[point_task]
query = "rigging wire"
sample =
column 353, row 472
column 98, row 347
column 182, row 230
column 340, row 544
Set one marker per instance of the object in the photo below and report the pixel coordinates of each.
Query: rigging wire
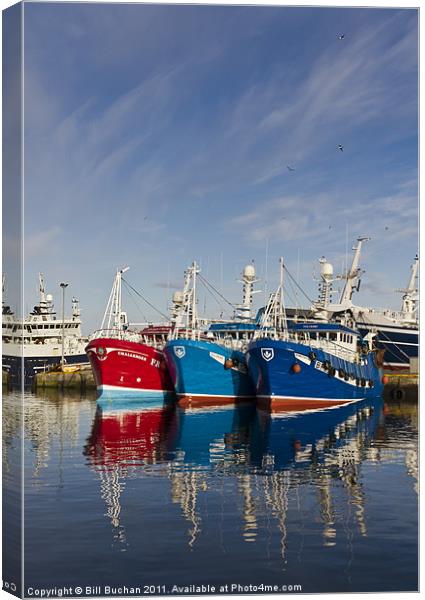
column 139, row 308
column 297, row 285
column 210, row 285
column 144, row 299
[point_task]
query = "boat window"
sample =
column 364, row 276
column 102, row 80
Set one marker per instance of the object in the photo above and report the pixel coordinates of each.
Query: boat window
column 313, row 335
column 322, row 335
column 332, row 336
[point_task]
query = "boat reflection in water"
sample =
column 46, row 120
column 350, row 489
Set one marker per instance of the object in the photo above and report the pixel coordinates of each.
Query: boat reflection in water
column 128, row 437
column 215, row 494
column 128, row 434
column 263, row 456
column 316, row 448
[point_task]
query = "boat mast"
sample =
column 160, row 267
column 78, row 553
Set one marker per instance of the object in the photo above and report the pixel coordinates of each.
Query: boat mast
column 41, row 289
column 353, row 273
column 248, row 279
column 281, row 315
column 326, row 280
column 275, row 314
column 186, row 305
column 408, row 306
column 193, row 318
column 112, row 318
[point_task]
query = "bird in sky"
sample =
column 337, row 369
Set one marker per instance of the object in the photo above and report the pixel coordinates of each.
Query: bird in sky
column 340, row 147
column 290, row 168
column 341, row 36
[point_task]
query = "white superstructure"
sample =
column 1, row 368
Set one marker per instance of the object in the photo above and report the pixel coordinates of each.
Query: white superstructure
column 325, row 309
column 39, row 335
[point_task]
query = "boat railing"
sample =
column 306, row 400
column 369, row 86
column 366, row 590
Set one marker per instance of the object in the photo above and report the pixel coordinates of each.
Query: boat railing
column 336, row 349
column 117, row 334
column 332, row 347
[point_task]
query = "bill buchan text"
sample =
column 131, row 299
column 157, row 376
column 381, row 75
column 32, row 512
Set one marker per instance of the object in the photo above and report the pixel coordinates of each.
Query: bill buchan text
column 160, row 590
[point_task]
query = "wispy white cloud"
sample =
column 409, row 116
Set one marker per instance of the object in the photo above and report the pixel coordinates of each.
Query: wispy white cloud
column 321, row 216
column 42, row 242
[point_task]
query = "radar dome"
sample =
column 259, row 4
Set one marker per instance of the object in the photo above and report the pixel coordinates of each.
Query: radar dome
column 49, row 297
column 327, row 269
column 178, row 297
column 249, row 271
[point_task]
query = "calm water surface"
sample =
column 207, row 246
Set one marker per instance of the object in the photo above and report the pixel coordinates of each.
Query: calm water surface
column 136, row 496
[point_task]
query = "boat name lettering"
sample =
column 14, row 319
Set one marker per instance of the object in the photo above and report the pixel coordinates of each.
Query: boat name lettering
column 132, row 355
column 218, row 357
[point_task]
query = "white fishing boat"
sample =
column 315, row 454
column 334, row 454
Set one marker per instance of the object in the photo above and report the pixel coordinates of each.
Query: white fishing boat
column 39, row 341
column 396, row 330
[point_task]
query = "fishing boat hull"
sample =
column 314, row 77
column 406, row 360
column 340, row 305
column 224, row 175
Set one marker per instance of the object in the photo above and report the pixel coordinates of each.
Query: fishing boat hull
column 21, row 370
column 122, row 367
column 204, row 372
column 288, row 376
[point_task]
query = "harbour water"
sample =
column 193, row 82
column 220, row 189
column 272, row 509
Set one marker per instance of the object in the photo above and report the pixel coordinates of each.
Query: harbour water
column 163, row 496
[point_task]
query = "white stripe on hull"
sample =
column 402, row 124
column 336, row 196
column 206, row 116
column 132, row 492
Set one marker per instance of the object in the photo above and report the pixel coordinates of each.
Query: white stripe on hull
column 117, row 388
column 188, row 394
column 398, row 343
column 270, row 397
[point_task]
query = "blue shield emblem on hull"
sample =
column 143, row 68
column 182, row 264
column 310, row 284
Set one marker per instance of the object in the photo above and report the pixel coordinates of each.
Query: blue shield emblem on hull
column 267, row 354
column 179, row 351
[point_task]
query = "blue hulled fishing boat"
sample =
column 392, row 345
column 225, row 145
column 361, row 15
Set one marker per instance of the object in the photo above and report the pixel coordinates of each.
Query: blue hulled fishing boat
column 207, row 360
column 310, row 365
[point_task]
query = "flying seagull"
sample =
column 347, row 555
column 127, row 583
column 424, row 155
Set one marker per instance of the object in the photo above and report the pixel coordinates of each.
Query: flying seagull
column 340, row 147
column 290, row 168
column 341, row 36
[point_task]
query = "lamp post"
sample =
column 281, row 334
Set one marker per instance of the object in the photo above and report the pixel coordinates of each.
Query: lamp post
column 63, row 286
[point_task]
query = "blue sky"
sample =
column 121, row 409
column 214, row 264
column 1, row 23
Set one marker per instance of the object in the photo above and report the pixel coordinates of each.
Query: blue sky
column 155, row 135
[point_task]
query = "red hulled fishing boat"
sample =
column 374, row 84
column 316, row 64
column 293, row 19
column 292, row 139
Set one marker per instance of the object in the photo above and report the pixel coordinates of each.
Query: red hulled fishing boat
column 125, row 360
